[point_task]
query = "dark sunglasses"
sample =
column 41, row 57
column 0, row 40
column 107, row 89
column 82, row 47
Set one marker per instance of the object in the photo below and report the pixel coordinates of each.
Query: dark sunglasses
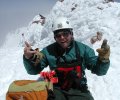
column 64, row 33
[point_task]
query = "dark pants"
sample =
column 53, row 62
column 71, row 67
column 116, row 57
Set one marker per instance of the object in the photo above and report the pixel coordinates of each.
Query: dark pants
column 72, row 94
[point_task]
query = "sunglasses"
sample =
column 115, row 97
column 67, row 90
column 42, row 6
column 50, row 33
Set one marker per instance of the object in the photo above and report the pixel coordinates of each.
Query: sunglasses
column 64, row 33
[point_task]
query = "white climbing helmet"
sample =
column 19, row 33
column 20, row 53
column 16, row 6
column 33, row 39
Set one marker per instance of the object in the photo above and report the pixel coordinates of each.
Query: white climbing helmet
column 61, row 23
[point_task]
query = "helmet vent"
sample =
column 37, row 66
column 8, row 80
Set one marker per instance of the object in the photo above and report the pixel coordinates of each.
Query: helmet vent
column 67, row 22
column 60, row 25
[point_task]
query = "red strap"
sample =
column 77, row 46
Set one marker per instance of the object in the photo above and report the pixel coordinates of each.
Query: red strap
column 66, row 70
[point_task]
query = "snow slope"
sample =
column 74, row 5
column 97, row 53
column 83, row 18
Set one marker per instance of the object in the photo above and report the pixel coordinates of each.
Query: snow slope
column 88, row 17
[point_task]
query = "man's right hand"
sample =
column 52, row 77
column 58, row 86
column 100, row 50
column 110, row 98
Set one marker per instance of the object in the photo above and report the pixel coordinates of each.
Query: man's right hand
column 28, row 51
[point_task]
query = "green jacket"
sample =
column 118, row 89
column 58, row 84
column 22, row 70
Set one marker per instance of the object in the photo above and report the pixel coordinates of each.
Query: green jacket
column 90, row 61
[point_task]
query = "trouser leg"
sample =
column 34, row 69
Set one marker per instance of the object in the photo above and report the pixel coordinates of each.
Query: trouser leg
column 85, row 96
column 72, row 95
column 78, row 95
column 58, row 95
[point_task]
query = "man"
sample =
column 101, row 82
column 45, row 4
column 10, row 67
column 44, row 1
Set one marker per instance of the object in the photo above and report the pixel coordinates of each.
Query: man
column 69, row 58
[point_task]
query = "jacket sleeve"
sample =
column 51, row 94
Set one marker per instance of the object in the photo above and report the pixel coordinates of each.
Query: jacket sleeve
column 33, row 70
column 94, row 64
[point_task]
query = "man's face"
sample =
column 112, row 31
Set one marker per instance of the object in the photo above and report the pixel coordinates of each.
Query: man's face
column 63, row 38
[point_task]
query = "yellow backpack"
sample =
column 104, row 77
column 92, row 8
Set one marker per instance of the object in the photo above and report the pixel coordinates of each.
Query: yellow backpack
column 28, row 90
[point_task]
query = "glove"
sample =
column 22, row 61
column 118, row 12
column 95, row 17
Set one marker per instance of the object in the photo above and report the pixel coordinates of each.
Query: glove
column 104, row 51
column 33, row 55
column 36, row 57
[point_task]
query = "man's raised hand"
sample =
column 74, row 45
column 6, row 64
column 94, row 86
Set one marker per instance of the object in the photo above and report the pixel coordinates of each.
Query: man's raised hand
column 28, row 51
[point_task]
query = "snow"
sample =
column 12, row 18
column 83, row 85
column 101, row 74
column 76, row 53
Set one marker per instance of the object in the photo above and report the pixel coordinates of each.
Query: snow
column 89, row 17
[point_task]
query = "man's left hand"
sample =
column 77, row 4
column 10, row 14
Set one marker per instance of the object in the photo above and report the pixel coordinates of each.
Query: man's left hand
column 104, row 51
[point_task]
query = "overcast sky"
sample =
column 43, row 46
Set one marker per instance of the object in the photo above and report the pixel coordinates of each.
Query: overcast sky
column 18, row 13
